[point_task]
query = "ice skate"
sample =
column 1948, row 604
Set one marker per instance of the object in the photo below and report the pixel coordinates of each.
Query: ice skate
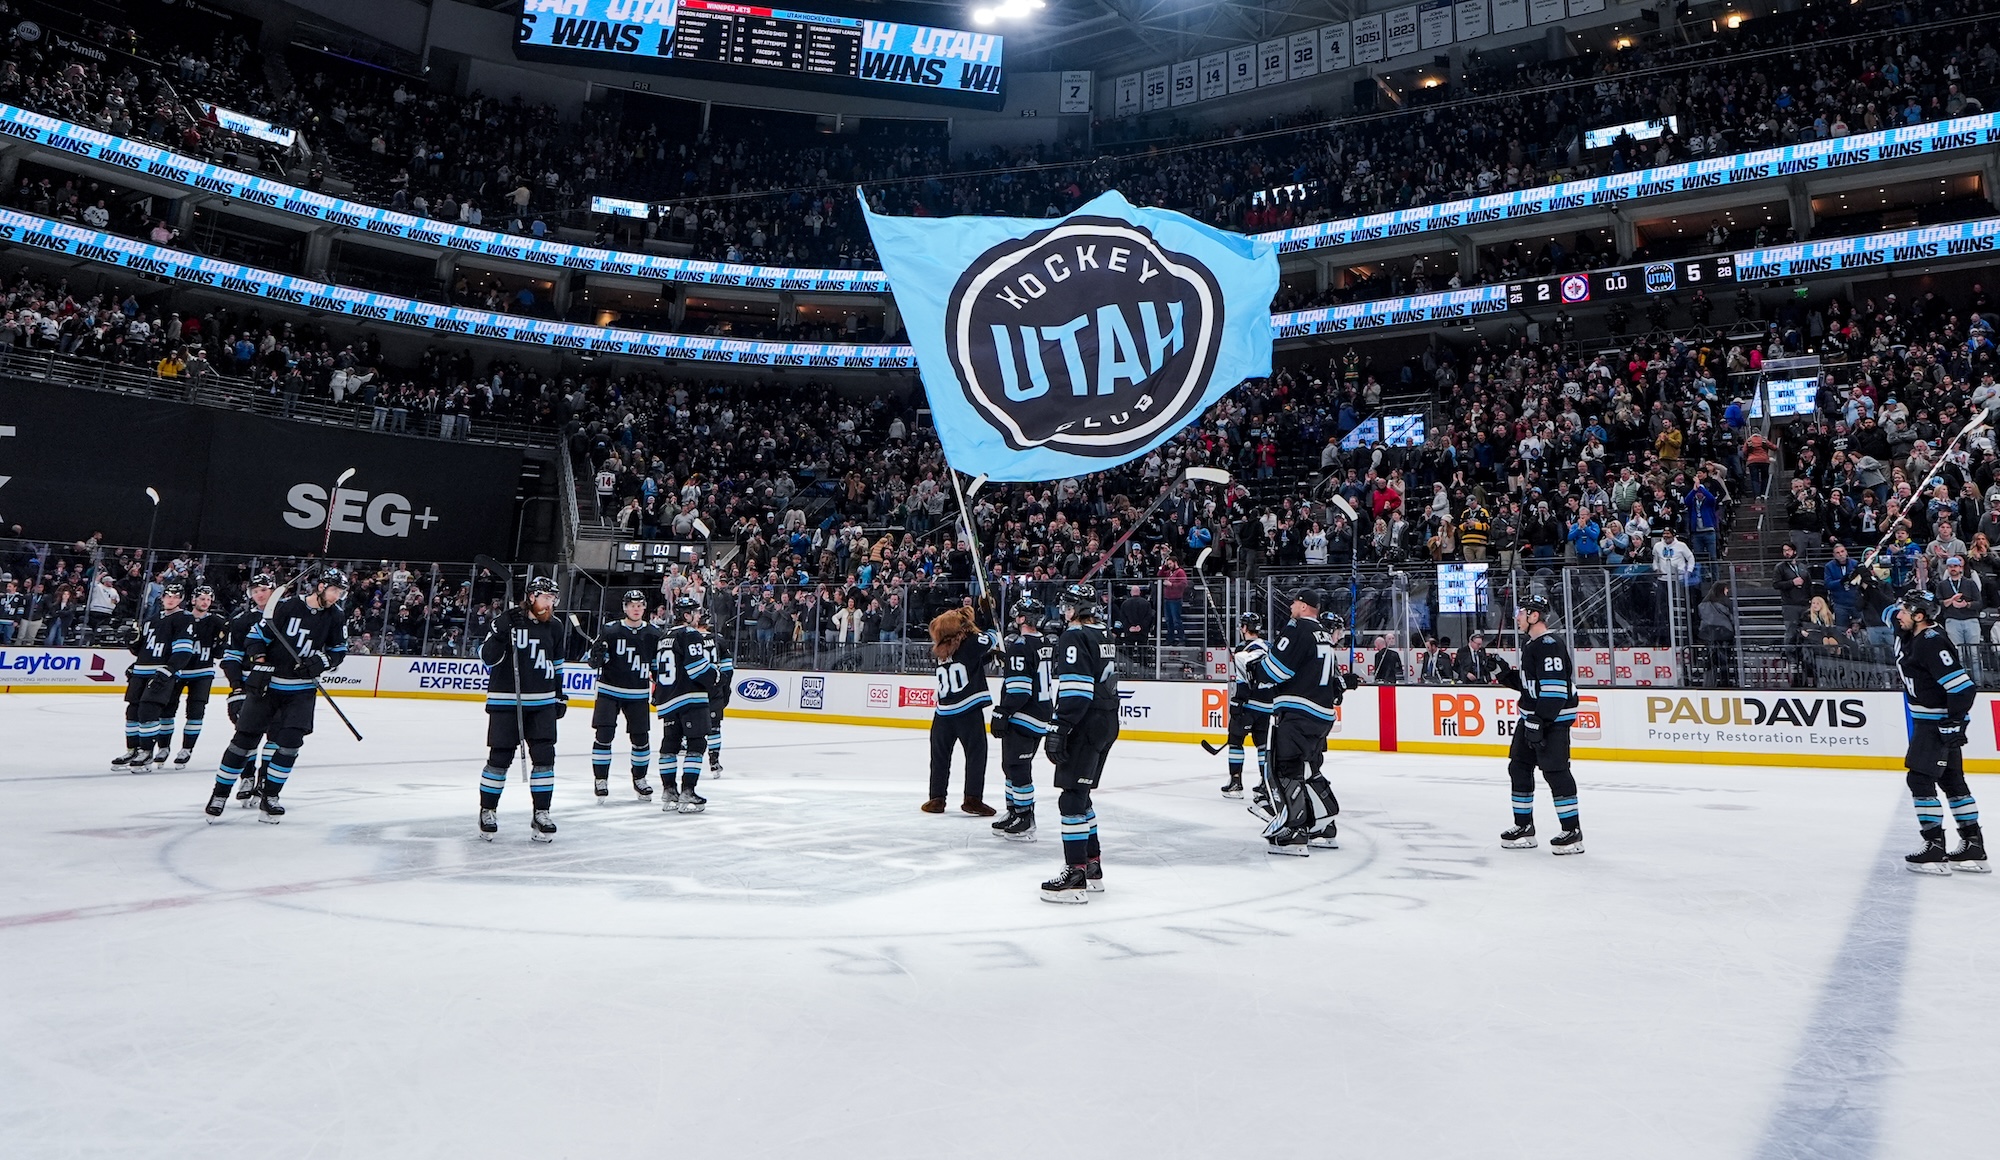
column 1567, row 842
column 1233, row 788
column 692, row 802
column 489, row 824
column 602, row 788
column 1288, row 842
column 1016, row 827
column 715, row 765
column 269, row 809
column 1931, row 859
column 540, row 828
column 125, row 759
column 218, row 801
column 670, row 801
column 1326, row 838
column 642, row 787
column 1521, row 837
column 1072, row 885
column 1093, row 876
column 1970, row 856
column 142, row 761
column 183, row 757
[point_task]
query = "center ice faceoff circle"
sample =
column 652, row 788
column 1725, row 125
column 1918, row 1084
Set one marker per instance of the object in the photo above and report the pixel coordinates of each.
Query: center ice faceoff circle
column 781, row 863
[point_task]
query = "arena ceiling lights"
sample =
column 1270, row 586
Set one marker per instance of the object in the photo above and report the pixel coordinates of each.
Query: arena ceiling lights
column 1007, row 10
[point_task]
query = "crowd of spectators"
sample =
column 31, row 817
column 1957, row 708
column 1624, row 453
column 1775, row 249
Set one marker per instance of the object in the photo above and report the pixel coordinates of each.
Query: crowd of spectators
column 771, row 189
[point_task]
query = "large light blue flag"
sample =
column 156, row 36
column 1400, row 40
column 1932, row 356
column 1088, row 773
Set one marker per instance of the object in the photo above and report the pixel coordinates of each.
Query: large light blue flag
column 1052, row 348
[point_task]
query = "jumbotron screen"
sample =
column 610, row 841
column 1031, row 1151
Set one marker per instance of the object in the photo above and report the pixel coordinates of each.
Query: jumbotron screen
column 751, row 44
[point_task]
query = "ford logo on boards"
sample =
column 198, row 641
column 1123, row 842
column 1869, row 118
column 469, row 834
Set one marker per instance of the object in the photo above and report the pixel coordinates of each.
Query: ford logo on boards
column 757, row 689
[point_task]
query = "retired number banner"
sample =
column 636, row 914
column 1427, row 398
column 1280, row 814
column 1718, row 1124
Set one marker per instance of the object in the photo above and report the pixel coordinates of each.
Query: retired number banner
column 1052, row 348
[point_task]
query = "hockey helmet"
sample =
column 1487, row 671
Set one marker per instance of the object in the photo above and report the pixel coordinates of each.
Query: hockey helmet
column 1030, row 609
column 201, row 590
column 263, row 580
column 1080, row 597
column 1052, row 626
column 1922, row 602
column 173, row 590
column 1535, row 603
column 1251, row 621
column 632, row 594
column 541, row 586
column 332, row 578
column 686, row 604
column 1333, row 622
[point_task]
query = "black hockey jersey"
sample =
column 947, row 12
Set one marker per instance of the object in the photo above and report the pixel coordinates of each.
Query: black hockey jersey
column 194, row 640
column 1086, row 675
column 682, row 673
column 153, row 646
column 308, row 630
column 1548, row 680
column 725, row 670
column 961, row 681
column 627, row 672
column 1302, row 671
column 1935, row 684
column 537, row 655
column 1028, row 688
column 1247, row 694
column 236, row 639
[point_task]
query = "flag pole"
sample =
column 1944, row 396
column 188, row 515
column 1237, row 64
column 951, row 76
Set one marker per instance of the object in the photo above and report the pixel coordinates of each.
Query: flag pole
column 971, row 529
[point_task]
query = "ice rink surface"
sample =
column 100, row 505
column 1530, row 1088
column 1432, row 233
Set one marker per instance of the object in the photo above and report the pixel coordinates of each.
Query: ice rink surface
column 1739, row 967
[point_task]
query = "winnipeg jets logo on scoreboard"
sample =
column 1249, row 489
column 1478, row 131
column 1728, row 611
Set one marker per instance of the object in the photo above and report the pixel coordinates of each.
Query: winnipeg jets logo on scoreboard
column 1089, row 337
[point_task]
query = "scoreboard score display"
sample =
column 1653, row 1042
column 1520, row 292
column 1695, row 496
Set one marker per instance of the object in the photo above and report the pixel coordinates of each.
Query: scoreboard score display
column 865, row 56
column 1681, row 276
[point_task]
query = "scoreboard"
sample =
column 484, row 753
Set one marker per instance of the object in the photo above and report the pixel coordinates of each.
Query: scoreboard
column 1683, row 275
column 751, row 44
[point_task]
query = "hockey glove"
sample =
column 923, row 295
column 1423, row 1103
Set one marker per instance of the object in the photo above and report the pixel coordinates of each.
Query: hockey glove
column 1057, row 747
column 998, row 726
column 600, row 655
column 1510, row 677
column 1951, row 733
column 236, row 698
column 1531, row 728
column 257, row 677
column 562, row 706
column 312, row 665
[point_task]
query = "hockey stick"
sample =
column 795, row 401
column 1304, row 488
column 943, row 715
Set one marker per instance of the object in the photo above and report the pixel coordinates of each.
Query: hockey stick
column 1193, row 475
column 513, row 665
column 1978, row 420
column 971, row 530
column 1210, row 747
column 326, row 542
column 278, row 594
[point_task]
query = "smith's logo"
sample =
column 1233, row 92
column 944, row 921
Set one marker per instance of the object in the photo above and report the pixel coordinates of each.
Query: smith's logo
column 1088, row 337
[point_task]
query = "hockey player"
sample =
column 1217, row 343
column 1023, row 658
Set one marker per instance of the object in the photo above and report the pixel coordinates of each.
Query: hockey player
column 1301, row 675
column 1086, row 726
column 299, row 638
column 149, row 688
column 623, row 657
column 718, row 701
column 197, row 634
column 524, row 700
column 683, row 678
column 1939, row 696
column 1024, row 716
column 958, row 720
column 236, row 637
column 1546, row 681
column 1249, row 708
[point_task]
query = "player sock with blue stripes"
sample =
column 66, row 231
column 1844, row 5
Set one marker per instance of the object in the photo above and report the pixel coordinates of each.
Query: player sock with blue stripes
column 1965, row 811
column 1566, row 812
column 1524, row 808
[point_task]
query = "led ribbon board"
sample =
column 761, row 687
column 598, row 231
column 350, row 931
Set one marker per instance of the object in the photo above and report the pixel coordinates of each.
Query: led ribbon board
column 194, row 269
column 1662, row 181
column 1409, row 310
column 1929, row 243
column 165, row 165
